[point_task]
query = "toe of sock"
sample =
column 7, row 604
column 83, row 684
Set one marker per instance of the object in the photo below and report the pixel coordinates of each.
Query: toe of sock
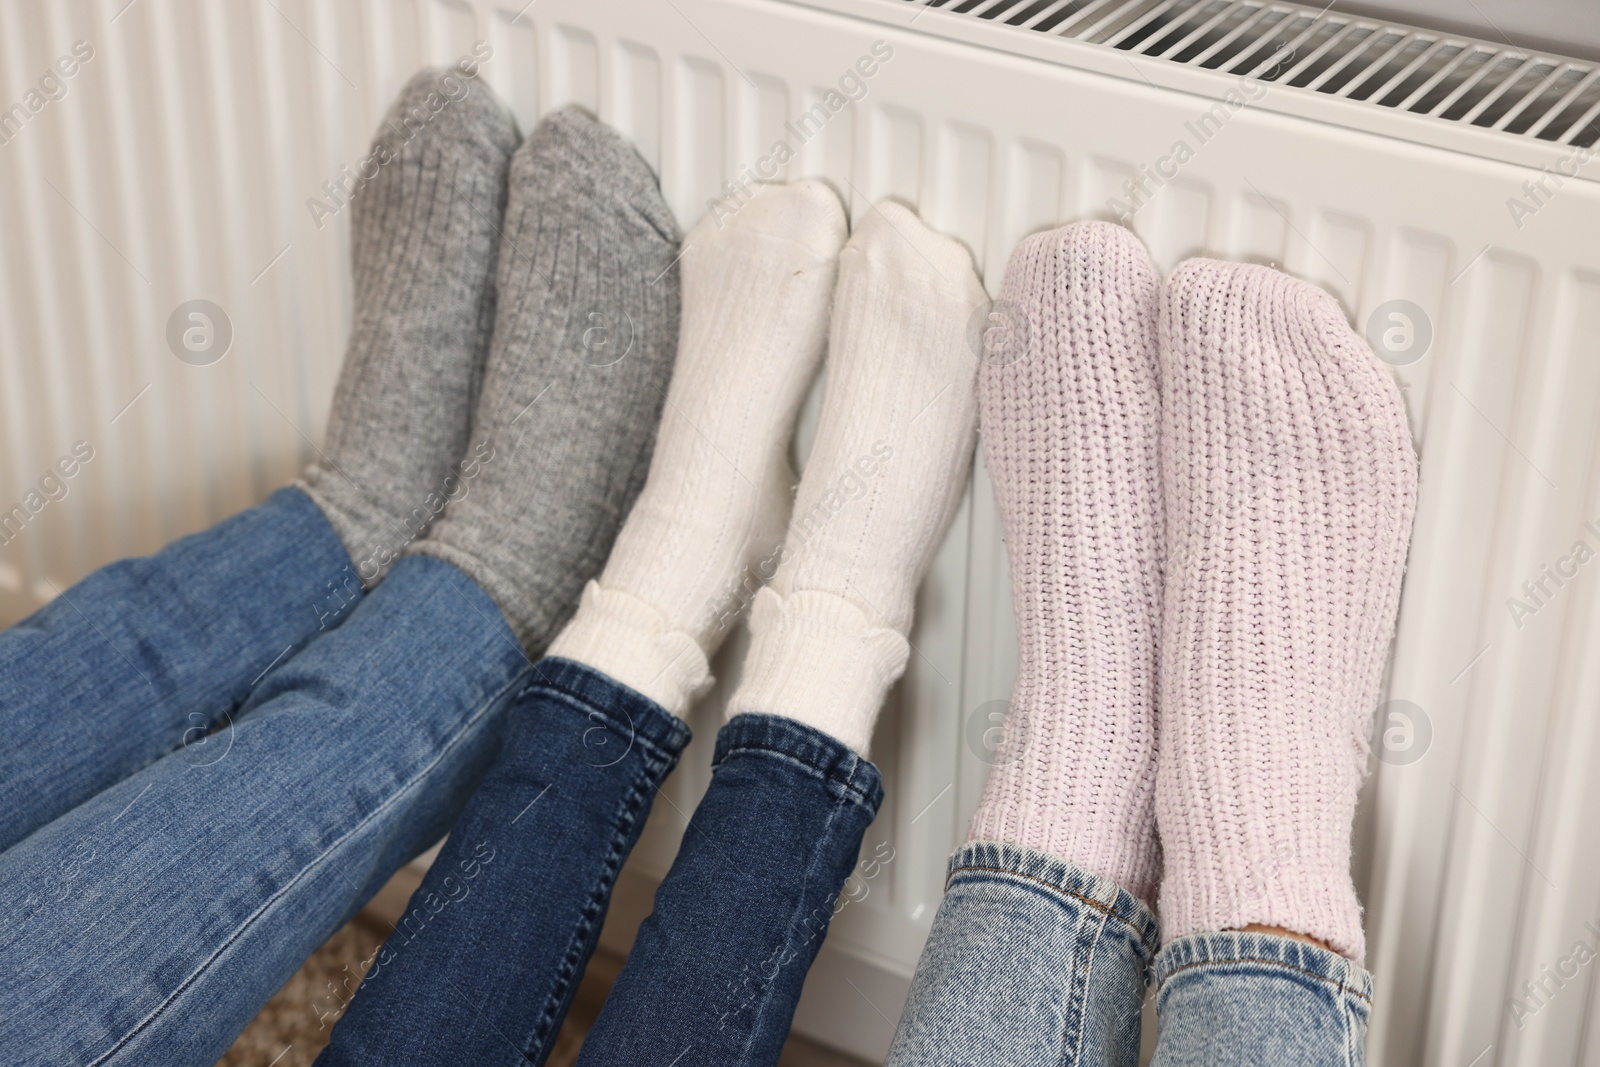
column 807, row 212
column 440, row 106
column 1094, row 252
column 1100, row 268
column 570, row 150
column 892, row 235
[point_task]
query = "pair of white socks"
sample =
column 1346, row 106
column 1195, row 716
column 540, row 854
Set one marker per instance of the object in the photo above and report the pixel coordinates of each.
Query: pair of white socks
column 842, row 557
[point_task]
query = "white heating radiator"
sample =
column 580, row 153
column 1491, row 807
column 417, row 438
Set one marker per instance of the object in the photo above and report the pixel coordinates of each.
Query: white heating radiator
column 1384, row 164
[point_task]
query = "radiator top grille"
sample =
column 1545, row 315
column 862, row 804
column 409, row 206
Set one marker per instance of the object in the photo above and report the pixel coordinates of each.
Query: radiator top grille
column 1438, row 75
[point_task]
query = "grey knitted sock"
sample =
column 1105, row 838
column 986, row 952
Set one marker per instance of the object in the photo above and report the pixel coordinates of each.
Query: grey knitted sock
column 584, row 341
column 424, row 232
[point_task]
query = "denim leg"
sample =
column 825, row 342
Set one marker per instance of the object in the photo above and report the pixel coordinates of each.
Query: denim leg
column 717, row 969
column 1232, row 999
column 483, row 967
column 196, row 890
column 1032, row 962
column 148, row 655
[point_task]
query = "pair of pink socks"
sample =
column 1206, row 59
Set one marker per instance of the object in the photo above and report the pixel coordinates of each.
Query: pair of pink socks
column 1207, row 487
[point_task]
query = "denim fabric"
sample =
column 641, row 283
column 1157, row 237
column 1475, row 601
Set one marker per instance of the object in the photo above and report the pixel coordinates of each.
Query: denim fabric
column 717, row 969
column 1032, row 962
column 148, row 655
column 149, row 924
column 1232, row 999
column 484, row 966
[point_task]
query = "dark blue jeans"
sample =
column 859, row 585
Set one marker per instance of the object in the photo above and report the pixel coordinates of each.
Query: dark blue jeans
column 521, row 889
column 160, row 892
column 717, row 969
column 483, row 967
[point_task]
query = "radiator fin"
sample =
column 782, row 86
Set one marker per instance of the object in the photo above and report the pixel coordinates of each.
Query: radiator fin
column 1443, row 76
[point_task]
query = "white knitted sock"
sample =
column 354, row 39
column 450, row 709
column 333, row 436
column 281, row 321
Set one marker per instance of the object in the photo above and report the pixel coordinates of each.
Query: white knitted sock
column 755, row 311
column 885, row 475
column 1289, row 484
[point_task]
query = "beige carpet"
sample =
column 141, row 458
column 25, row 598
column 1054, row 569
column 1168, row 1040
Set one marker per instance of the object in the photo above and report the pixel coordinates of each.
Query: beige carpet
column 293, row 1026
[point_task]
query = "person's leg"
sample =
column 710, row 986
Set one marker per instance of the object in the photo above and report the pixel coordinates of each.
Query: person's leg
column 1039, row 951
column 425, row 236
column 148, row 655
column 155, row 655
column 1031, row 961
column 196, row 890
column 1235, row 999
column 495, row 985
column 716, row 971
column 210, row 885
column 485, row 962
column 1290, row 483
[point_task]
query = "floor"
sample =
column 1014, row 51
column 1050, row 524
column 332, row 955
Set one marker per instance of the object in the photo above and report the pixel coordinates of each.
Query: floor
column 293, row 1027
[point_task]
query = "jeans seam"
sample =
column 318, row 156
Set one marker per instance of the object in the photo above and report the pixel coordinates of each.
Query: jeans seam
column 1088, row 976
column 267, row 905
column 1343, row 990
column 628, row 814
column 1097, row 905
column 1348, row 1015
column 811, row 867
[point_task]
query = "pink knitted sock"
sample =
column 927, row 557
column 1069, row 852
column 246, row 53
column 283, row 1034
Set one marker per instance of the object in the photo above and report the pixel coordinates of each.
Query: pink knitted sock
column 1071, row 435
column 1290, row 484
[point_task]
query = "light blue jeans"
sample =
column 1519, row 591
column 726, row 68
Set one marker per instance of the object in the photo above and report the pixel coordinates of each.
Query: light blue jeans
column 186, row 813
column 1035, row 963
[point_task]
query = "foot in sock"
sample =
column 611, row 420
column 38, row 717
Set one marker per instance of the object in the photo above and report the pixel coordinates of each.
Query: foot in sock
column 1071, row 434
column 755, row 317
column 885, row 475
column 586, row 327
column 424, row 234
column 1289, row 486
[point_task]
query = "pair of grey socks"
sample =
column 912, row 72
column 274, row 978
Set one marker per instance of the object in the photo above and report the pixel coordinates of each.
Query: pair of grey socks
column 516, row 320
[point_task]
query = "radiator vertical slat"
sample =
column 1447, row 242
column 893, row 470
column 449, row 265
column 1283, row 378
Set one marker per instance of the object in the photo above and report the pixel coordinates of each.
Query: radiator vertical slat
column 99, row 515
column 1536, row 1032
column 46, row 209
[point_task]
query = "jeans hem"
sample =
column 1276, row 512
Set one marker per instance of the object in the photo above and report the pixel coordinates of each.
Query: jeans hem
column 806, row 748
column 1233, row 947
column 605, row 698
column 1061, row 878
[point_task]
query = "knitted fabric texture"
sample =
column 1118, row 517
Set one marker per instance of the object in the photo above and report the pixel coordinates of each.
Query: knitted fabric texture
column 884, row 478
column 756, row 289
column 586, row 330
column 1070, row 430
column 424, row 234
column 1290, row 484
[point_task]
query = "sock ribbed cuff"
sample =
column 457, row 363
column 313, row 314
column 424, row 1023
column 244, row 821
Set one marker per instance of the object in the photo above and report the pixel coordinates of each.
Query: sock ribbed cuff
column 621, row 635
column 816, row 658
column 1314, row 898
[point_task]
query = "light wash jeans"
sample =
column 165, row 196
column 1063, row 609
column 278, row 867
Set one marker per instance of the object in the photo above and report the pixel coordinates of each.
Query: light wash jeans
column 193, row 797
column 1035, row 963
